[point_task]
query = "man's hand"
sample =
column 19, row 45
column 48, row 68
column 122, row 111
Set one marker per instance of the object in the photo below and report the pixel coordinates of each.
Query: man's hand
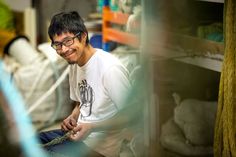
column 81, row 131
column 69, row 123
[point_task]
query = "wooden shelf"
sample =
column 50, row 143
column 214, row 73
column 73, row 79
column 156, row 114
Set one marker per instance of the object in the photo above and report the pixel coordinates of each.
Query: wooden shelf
column 187, row 49
column 164, row 42
column 189, row 44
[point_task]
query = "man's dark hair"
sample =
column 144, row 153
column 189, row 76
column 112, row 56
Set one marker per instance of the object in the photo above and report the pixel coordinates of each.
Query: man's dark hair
column 64, row 22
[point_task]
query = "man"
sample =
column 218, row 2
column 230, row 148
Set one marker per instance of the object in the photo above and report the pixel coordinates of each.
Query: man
column 99, row 85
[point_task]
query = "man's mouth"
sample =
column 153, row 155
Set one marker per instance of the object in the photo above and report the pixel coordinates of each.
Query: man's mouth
column 68, row 53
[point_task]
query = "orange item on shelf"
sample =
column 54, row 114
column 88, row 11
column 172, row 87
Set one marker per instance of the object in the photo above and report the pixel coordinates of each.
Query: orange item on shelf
column 111, row 34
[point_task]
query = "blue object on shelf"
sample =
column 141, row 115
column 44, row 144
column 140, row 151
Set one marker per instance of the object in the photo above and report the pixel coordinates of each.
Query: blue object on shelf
column 106, row 2
column 96, row 41
column 106, row 47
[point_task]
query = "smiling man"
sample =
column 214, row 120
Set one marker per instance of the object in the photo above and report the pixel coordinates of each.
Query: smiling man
column 99, row 84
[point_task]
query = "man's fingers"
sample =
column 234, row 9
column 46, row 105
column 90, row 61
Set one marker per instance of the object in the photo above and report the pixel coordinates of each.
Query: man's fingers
column 73, row 122
column 68, row 124
column 64, row 128
column 75, row 136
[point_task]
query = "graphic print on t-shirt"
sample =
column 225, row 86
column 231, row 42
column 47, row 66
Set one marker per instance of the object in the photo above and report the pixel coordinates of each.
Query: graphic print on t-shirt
column 86, row 97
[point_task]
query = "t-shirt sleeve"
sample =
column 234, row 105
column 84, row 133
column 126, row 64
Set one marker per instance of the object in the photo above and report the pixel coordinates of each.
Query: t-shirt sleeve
column 117, row 85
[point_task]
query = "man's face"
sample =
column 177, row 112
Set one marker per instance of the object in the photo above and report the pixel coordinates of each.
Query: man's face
column 69, row 47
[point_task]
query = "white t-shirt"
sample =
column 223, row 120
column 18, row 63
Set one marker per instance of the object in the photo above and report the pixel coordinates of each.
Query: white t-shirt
column 101, row 87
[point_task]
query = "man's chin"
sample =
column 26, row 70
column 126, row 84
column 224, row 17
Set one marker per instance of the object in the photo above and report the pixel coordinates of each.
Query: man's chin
column 71, row 62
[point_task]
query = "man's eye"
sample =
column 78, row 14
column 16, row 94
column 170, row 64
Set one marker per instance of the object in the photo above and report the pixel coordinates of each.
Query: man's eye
column 67, row 40
column 56, row 44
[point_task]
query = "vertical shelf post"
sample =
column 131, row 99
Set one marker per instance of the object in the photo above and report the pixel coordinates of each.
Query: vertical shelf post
column 105, row 24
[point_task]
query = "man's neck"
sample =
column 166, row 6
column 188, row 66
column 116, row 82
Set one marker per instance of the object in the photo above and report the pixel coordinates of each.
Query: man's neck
column 88, row 53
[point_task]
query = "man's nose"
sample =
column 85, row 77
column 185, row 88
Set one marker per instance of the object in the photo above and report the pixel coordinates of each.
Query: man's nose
column 64, row 48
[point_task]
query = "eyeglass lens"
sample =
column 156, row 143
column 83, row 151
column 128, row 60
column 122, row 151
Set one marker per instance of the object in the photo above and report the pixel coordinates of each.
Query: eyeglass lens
column 67, row 42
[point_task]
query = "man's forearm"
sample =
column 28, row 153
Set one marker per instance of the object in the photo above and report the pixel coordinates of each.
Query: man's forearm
column 76, row 111
column 115, row 123
column 121, row 120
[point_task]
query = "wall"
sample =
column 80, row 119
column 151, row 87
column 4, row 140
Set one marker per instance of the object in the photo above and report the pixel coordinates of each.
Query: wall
column 18, row 5
column 46, row 9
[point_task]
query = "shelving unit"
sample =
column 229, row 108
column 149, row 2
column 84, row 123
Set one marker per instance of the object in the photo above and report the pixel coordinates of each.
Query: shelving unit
column 179, row 62
column 111, row 34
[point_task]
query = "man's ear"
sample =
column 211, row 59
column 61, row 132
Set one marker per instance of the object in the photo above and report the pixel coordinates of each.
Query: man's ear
column 83, row 37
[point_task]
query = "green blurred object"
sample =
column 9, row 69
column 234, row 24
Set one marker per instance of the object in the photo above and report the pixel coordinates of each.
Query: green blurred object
column 215, row 37
column 6, row 16
column 213, row 32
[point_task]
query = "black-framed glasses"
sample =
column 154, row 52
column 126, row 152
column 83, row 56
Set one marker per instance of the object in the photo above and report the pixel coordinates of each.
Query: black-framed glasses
column 66, row 42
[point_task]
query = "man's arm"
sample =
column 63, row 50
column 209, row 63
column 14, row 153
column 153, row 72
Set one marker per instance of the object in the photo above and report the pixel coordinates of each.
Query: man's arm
column 118, row 87
column 76, row 111
column 122, row 119
column 71, row 121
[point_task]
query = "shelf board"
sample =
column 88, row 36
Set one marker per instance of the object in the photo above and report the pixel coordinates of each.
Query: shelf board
column 111, row 34
column 114, row 17
column 188, row 44
column 209, row 61
column 187, row 49
column 215, row 1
